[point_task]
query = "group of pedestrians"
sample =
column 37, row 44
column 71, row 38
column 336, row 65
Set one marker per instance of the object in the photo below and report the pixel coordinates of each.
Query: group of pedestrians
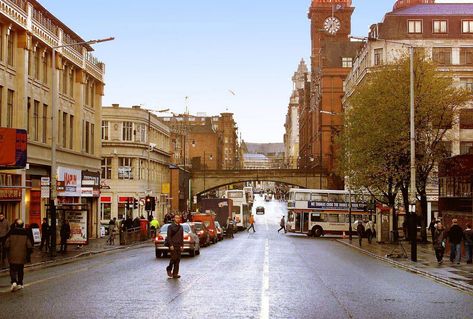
column 455, row 236
column 365, row 228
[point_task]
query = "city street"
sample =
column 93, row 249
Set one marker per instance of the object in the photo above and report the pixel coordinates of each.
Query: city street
column 254, row 275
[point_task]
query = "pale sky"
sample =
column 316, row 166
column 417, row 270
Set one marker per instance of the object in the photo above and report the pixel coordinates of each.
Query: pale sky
column 165, row 50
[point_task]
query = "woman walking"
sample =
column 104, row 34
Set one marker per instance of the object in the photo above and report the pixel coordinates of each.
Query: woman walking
column 439, row 242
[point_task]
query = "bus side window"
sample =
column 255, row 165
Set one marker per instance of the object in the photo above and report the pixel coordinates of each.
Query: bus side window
column 290, row 217
column 315, row 217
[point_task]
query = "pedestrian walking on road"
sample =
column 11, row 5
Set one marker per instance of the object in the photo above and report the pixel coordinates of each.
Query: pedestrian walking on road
column 360, row 229
column 18, row 245
column 468, row 235
column 252, row 224
column 369, row 230
column 4, row 229
column 65, row 234
column 45, row 234
column 230, row 228
column 432, row 227
column 154, row 226
column 455, row 236
column 439, row 242
column 175, row 240
column 282, row 223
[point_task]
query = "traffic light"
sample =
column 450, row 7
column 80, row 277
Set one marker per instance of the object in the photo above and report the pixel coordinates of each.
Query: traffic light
column 135, row 203
column 148, row 203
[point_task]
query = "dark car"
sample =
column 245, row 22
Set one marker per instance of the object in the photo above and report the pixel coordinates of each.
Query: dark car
column 191, row 240
column 219, row 230
column 202, row 232
column 260, row 210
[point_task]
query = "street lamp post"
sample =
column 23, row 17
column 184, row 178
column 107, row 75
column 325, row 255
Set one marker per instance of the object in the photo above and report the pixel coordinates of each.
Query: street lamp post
column 54, row 125
column 205, row 168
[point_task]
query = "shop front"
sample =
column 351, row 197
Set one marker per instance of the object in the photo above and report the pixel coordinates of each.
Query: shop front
column 10, row 195
column 90, row 193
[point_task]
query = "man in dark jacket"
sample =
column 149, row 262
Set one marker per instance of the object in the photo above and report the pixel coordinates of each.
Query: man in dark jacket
column 45, row 233
column 175, row 239
column 65, row 235
column 17, row 245
column 455, row 236
column 468, row 235
column 4, row 229
column 360, row 229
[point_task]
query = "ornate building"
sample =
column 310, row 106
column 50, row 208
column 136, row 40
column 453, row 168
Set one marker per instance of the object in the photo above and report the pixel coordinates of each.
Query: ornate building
column 332, row 54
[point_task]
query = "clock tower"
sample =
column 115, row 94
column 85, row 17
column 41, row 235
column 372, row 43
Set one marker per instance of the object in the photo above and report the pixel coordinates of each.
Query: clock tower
column 332, row 53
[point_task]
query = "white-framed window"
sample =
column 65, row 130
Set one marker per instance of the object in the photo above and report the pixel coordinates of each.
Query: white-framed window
column 127, row 131
column 414, row 26
column 106, row 168
column 125, row 168
column 466, row 56
column 378, row 56
column 442, row 56
column 105, row 130
column 439, row 26
column 467, row 26
column 347, row 62
column 140, row 135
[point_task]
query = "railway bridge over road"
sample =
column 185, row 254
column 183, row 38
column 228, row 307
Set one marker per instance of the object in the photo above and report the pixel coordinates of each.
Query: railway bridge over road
column 205, row 180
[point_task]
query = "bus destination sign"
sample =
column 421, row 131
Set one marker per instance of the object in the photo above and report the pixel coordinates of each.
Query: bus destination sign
column 337, row 205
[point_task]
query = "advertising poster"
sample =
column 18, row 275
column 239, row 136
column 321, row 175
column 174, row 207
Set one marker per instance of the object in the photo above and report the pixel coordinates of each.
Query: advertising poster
column 35, row 207
column 78, row 222
column 69, row 182
column 90, row 184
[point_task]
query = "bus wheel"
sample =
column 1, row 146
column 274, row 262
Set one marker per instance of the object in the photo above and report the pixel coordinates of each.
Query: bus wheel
column 317, row 231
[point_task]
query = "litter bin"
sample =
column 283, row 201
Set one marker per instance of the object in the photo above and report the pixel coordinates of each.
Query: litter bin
column 144, row 225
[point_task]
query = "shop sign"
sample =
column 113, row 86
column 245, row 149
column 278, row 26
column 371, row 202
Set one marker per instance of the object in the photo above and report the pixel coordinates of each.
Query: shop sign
column 69, row 182
column 78, row 222
column 165, row 188
column 44, row 187
column 90, row 184
column 106, row 199
column 125, row 199
column 13, row 143
column 10, row 194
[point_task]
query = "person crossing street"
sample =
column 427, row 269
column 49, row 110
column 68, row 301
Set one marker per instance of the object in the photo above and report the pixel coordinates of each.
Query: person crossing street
column 252, row 224
column 282, row 223
column 175, row 241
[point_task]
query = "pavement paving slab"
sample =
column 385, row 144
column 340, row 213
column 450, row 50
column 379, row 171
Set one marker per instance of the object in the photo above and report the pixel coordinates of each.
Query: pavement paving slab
column 458, row 276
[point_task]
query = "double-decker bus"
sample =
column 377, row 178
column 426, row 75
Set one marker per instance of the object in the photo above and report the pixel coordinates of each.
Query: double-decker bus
column 240, row 208
column 317, row 212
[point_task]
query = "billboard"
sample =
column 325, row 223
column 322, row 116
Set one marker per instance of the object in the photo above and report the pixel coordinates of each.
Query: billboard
column 69, row 182
column 13, row 143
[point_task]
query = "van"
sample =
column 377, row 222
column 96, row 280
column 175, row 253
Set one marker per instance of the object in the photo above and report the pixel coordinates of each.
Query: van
column 209, row 221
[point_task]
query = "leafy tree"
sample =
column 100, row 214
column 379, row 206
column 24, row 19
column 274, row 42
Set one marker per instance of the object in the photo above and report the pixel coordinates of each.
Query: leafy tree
column 375, row 138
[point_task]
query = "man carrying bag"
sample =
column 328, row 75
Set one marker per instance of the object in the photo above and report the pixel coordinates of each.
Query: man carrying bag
column 175, row 242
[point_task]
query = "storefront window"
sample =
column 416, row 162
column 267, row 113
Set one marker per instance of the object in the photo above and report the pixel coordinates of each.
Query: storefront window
column 106, row 211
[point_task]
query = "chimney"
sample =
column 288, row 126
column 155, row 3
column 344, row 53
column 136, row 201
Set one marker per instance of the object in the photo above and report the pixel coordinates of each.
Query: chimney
column 115, row 105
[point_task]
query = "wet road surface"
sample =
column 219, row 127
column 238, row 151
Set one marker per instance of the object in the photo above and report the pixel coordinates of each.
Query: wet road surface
column 254, row 275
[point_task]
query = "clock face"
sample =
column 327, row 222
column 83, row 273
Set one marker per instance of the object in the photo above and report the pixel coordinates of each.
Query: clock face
column 332, row 25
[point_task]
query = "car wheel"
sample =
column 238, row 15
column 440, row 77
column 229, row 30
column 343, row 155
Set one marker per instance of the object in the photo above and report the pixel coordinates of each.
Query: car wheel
column 192, row 252
column 165, row 253
column 158, row 253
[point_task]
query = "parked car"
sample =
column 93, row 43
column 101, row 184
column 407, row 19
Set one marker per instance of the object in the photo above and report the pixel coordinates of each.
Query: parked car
column 260, row 210
column 191, row 240
column 202, row 232
column 219, row 230
column 209, row 221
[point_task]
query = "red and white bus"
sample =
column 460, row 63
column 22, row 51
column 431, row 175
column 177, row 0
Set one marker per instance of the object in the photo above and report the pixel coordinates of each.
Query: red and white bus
column 317, row 212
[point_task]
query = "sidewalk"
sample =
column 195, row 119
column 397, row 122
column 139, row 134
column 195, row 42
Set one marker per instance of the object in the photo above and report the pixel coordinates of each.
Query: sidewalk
column 95, row 246
column 458, row 276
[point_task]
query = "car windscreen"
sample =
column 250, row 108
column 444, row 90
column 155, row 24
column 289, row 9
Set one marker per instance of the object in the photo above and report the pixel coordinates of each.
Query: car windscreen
column 164, row 228
column 186, row 228
column 198, row 226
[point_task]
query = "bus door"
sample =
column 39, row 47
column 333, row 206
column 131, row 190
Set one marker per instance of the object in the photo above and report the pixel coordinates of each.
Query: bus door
column 297, row 221
column 305, row 222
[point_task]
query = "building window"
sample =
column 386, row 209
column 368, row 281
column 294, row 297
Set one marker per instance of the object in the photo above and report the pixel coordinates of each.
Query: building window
column 36, row 120
column 106, row 211
column 442, row 56
column 125, row 169
column 64, row 80
column 10, row 108
column 440, row 26
column 45, row 123
column 10, row 48
column 467, row 26
column 71, row 131
column 45, row 69
column 466, row 56
column 92, row 138
column 378, row 56
column 467, row 84
column 347, row 62
column 127, row 131
column 29, row 122
column 466, row 148
column 36, row 63
column 106, row 168
column 64, row 129
column 466, row 119
column 140, row 135
column 414, row 26
column 105, row 130
column 71, row 82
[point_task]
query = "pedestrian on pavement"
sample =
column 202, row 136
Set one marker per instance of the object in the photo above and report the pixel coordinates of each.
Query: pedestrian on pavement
column 455, row 236
column 369, row 230
column 112, row 225
column 175, row 240
column 252, row 224
column 282, row 223
column 45, row 234
column 18, row 245
column 65, row 234
column 432, row 226
column 439, row 242
column 229, row 228
column 4, row 229
column 360, row 229
column 468, row 235
column 154, row 226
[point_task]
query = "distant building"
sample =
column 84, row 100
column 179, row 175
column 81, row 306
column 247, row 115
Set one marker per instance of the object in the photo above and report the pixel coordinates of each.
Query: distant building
column 274, row 152
column 291, row 126
column 256, row 161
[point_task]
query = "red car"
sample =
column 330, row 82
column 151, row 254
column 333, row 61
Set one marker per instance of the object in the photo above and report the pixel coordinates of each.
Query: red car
column 209, row 221
column 203, row 233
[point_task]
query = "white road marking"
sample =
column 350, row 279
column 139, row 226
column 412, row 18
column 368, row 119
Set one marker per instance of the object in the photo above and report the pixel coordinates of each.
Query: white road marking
column 265, row 291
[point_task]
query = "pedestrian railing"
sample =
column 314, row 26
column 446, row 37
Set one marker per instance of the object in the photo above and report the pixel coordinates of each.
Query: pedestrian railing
column 131, row 235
